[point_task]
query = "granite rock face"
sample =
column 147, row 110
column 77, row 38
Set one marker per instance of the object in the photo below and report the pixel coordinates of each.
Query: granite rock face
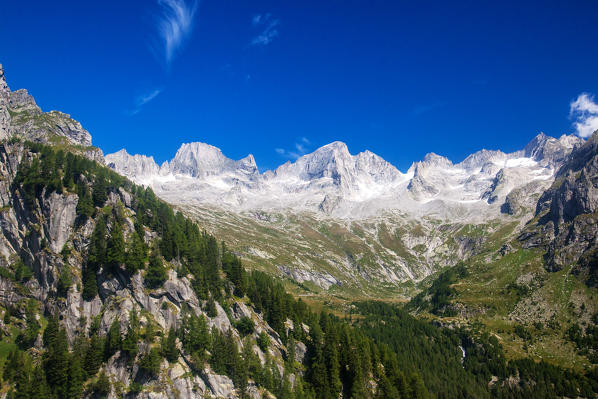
column 38, row 232
column 4, row 98
column 567, row 215
column 21, row 117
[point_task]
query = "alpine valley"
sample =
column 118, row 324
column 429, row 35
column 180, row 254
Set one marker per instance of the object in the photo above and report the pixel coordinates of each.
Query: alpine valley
column 333, row 276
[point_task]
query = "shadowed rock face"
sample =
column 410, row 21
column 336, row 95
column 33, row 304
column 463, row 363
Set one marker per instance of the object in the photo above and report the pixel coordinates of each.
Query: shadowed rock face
column 568, row 215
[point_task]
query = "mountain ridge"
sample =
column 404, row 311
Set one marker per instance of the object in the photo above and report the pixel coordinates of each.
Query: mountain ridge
column 332, row 181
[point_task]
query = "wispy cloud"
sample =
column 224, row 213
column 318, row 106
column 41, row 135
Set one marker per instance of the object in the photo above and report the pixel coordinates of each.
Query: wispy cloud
column 174, row 24
column 268, row 27
column 585, row 112
column 301, row 147
column 143, row 99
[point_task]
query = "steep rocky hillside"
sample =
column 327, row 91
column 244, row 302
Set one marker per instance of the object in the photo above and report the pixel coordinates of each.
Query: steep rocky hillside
column 354, row 224
column 566, row 216
column 106, row 291
column 535, row 291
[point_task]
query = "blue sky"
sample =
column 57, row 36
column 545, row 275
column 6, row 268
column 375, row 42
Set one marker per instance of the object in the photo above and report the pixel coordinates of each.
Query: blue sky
column 281, row 78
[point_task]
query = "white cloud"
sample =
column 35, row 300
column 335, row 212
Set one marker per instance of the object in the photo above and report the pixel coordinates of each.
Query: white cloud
column 301, row 148
column 143, row 99
column 175, row 25
column 585, row 111
column 269, row 28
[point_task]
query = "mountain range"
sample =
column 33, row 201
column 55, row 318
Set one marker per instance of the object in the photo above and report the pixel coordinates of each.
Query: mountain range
column 501, row 248
column 331, row 181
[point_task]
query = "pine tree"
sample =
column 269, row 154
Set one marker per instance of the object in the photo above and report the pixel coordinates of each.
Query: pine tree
column 136, row 254
column 102, row 387
column 96, row 252
column 39, row 388
column 100, row 191
column 64, row 282
column 76, row 378
column 85, row 208
column 150, row 363
column 169, row 349
column 94, row 355
column 155, row 275
column 129, row 344
column 113, row 340
column 56, row 363
column 115, row 254
column 90, row 284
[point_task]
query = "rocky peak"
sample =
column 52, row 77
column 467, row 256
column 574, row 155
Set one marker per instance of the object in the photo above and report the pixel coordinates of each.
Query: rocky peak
column 202, row 160
column 568, row 216
column 132, row 165
column 21, row 101
column 248, row 164
column 3, row 84
column 28, row 121
column 432, row 159
column 549, row 150
column 479, row 159
column 4, row 115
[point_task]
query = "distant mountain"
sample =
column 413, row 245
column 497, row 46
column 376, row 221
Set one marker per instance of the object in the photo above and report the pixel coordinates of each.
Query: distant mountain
column 503, row 241
column 332, row 181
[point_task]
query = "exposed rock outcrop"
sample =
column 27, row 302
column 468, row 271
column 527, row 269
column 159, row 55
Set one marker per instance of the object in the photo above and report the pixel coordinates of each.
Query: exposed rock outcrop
column 21, row 117
column 567, row 215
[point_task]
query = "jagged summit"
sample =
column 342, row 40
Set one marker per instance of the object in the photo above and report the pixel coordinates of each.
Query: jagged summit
column 333, row 181
column 133, row 165
column 434, row 159
column 21, row 116
column 550, row 150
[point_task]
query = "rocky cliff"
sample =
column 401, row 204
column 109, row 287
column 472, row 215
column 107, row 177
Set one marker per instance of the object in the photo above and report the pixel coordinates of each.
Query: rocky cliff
column 21, row 117
column 45, row 231
column 566, row 215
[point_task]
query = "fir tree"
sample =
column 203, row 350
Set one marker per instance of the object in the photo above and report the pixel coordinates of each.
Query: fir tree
column 96, row 252
column 102, row 387
column 150, row 363
column 211, row 309
column 64, row 282
column 263, row 341
column 90, row 284
column 76, row 378
column 136, row 254
column 56, row 363
column 169, row 349
column 94, row 355
column 155, row 275
column 113, row 339
column 85, row 208
column 129, row 344
column 39, row 387
column 115, row 254
column 100, row 191
column 51, row 331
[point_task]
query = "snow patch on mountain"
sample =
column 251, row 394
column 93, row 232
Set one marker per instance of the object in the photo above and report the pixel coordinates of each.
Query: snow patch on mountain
column 334, row 182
